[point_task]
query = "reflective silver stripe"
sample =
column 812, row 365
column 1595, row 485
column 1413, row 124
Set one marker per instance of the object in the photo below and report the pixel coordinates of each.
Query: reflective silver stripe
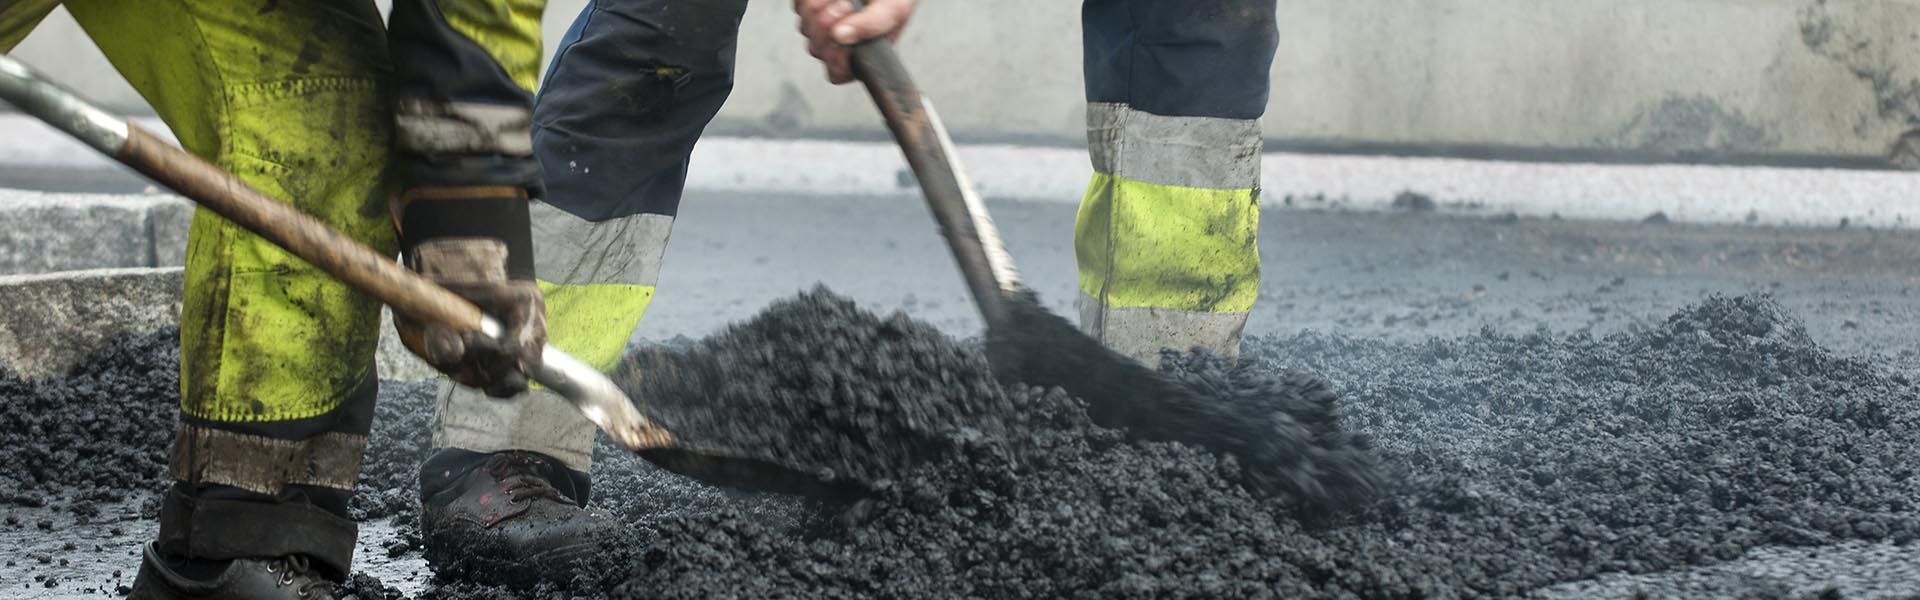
column 536, row 421
column 571, row 250
column 264, row 465
column 1140, row 333
column 463, row 127
column 1198, row 152
column 461, row 259
column 567, row 250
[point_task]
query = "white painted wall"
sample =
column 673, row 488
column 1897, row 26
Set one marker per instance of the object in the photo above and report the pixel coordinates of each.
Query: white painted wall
column 1694, row 80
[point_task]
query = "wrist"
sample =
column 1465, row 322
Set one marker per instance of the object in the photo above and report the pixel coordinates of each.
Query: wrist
column 487, row 212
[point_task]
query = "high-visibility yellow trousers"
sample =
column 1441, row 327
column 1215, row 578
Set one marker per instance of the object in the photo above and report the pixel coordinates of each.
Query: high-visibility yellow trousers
column 1166, row 236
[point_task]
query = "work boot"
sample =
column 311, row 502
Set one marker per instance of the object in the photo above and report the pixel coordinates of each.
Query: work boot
column 284, row 578
column 503, row 521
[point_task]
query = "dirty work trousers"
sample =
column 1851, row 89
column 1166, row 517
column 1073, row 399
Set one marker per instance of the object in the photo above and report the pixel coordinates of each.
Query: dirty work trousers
column 631, row 87
column 1165, row 237
column 294, row 97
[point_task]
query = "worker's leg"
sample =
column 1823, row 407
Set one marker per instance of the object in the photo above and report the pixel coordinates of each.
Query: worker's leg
column 277, row 380
column 19, row 17
column 1165, row 237
column 633, row 85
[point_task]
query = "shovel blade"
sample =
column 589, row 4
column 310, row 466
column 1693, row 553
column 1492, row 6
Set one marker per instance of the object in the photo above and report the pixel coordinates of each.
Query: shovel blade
column 723, row 469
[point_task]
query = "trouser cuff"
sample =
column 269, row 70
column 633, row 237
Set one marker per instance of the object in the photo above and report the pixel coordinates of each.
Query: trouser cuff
column 221, row 529
column 538, row 421
column 1142, row 333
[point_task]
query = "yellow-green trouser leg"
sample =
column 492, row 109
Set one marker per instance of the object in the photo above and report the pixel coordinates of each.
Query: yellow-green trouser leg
column 1166, row 236
column 606, row 270
column 614, row 134
column 598, row 279
column 276, row 356
column 19, row 17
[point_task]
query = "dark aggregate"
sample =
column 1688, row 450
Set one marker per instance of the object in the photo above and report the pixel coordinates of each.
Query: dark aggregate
column 819, row 385
column 1521, row 461
column 1518, row 462
column 92, row 436
column 1284, row 429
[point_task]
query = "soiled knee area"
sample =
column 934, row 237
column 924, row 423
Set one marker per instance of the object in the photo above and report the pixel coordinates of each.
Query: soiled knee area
column 1517, row 462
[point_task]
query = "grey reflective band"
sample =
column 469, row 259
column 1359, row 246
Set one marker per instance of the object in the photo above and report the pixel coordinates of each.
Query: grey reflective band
column 1140, row 333
column 573, row 251
column 429, row 127
column 265, row 465
column 1197, row 152
column 537, row 421
column 461, row 260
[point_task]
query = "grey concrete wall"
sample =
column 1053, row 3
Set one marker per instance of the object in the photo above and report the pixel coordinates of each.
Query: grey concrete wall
column 78, row 270
column 1813, row 81
column 57, row 321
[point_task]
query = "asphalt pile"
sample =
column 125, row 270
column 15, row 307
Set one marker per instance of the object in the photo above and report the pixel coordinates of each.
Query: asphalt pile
column 1515, row 462
column 818, row 385
column 98, row 435
column 825, row 388
column 1518, row 462
column 1531, row 459
column 1284, row 429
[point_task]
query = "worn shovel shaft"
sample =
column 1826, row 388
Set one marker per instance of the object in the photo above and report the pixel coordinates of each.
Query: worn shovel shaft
column 217, row 190
column 342, row 257
column 963, row 219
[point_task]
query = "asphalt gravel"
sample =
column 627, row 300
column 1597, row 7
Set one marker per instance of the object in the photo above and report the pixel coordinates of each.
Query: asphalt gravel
column 816, row 388
column 1663, row 461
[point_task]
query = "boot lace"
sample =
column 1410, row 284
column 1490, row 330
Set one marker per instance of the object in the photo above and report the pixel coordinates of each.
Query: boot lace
column 296, row 568
column 520, row 476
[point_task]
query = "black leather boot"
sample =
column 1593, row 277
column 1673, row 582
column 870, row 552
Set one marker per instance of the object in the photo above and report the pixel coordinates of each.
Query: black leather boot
column 504, row 521
column 284, row 578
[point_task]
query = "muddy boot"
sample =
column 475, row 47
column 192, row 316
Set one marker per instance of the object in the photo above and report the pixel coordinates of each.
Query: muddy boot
column 288, row 578
column 504, row 519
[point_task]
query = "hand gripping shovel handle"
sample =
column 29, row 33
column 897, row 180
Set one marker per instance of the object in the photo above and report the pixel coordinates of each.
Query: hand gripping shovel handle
column 349, row 261
column 963, row 218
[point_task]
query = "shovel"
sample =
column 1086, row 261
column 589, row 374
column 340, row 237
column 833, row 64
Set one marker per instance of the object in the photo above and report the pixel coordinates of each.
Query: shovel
column 1285, row 432
column 1025, row 342
column 382, row 278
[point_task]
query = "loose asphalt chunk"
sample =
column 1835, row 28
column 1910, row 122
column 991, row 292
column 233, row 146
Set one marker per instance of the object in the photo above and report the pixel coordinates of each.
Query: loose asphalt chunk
column 1517, row 463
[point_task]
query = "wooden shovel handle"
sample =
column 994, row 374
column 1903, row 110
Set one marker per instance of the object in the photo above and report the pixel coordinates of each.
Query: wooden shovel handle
column 343, row 257
column 963, row 220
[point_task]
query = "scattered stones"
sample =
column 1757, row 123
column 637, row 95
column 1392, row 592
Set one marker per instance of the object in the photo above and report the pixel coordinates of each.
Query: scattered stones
column 1519, row 463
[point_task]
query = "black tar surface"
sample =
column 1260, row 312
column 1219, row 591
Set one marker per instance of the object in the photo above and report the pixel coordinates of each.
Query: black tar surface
column 1520, row 461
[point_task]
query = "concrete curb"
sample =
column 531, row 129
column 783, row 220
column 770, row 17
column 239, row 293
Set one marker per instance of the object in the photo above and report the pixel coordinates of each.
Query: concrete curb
column 1764, row 196
column 57, row 321
column 44, row 233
